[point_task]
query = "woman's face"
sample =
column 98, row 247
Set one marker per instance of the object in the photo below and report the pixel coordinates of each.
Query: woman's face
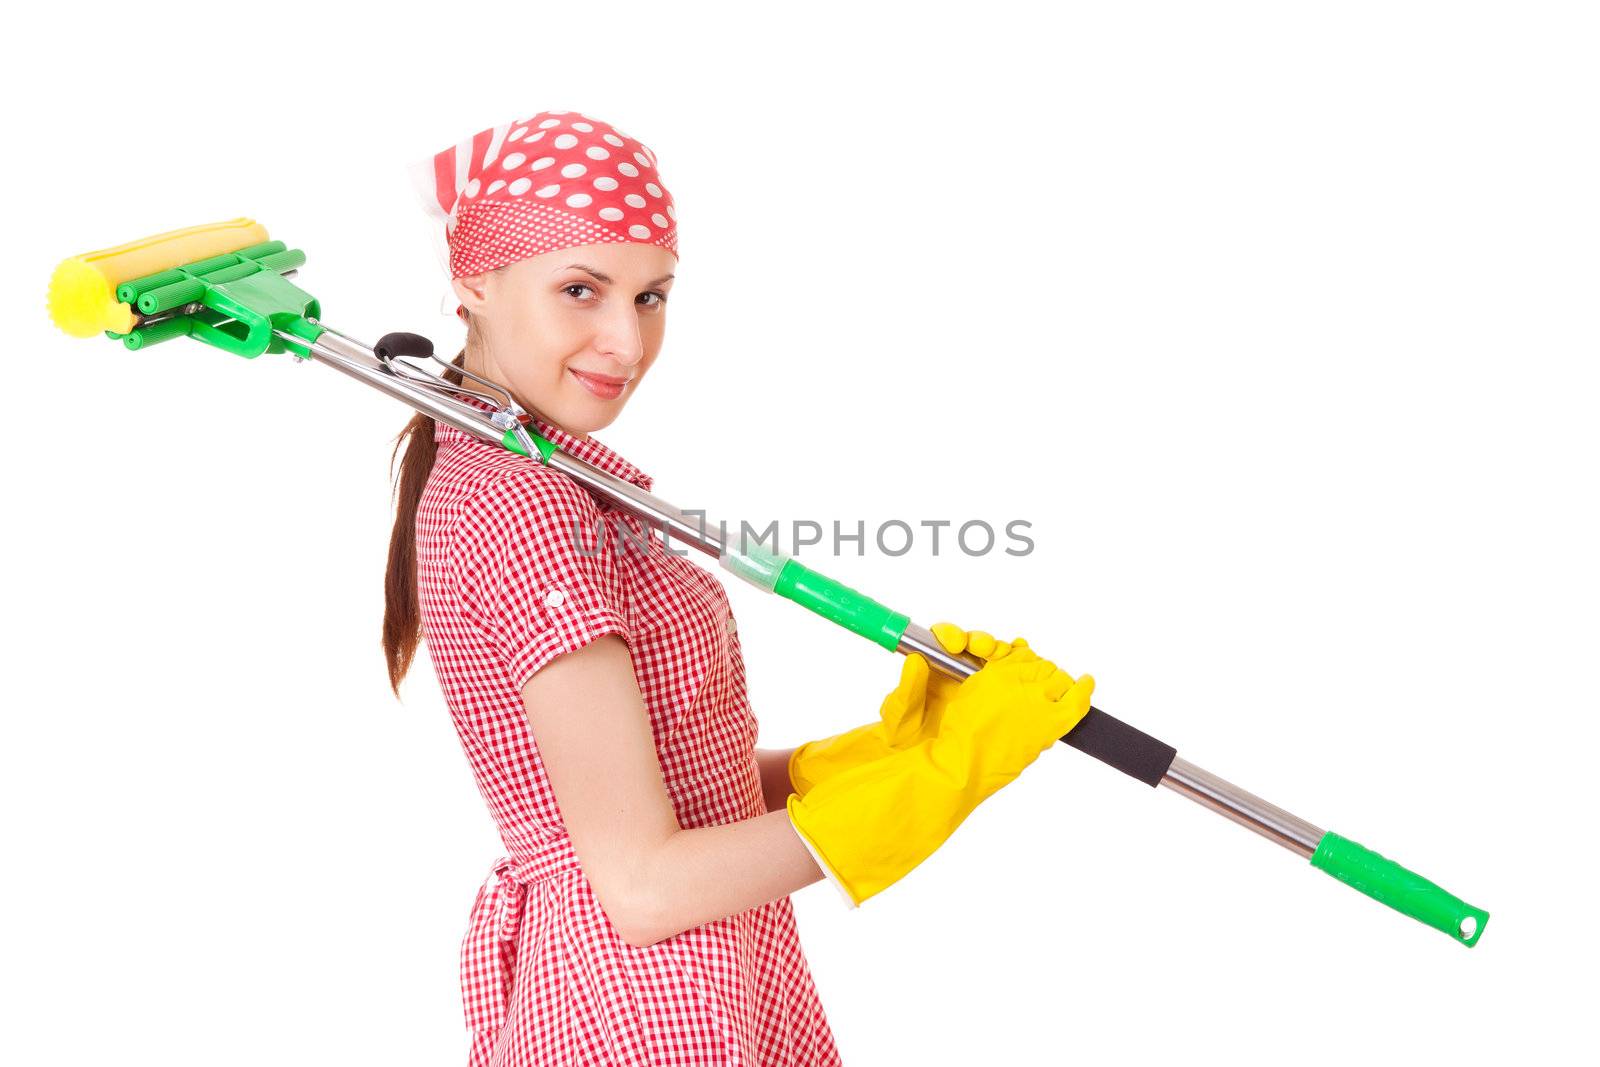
column 572, row 332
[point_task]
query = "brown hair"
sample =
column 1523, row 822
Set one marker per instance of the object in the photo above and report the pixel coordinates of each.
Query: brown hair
column 402, row 619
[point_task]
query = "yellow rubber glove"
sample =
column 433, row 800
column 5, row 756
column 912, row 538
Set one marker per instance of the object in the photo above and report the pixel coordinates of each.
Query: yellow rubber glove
column 908, row 715
column 868, row 826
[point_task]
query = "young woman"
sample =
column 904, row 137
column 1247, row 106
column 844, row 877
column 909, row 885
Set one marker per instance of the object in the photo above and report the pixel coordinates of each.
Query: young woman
column 597, row 685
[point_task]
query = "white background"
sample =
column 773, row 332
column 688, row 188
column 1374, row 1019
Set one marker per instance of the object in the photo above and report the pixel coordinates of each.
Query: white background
column 1276, row 321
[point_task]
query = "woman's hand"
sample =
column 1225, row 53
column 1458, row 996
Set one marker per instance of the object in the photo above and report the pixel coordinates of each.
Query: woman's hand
column 869, row 825
column 907, row 716
column 912, row 712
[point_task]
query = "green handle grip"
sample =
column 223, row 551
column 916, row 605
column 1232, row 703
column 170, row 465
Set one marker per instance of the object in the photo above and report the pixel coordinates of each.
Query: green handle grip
column 840, row 604
column 1386, row 881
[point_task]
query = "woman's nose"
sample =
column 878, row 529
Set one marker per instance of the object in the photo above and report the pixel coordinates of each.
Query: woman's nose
column 621, row 338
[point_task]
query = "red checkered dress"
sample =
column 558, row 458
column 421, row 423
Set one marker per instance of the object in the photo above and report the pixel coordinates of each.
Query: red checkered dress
column 505, row 587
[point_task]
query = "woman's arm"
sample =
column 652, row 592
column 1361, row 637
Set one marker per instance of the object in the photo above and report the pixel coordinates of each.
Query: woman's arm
column 652, row 877
column 775, row 784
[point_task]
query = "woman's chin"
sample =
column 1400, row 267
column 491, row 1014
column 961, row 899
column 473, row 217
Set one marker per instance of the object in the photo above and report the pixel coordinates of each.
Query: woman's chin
column 584, row 415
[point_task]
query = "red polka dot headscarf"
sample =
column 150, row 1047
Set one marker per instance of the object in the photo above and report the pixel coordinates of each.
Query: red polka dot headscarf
column 543, row 184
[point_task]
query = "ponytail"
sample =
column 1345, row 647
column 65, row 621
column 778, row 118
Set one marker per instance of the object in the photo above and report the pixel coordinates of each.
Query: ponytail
column 402, row 618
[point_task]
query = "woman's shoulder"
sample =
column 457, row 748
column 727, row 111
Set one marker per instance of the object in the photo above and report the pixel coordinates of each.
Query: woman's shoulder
column 508, row 497
column 486, row 478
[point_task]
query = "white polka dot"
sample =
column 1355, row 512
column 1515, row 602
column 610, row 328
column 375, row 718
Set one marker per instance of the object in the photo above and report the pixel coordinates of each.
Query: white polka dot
column 513, row 161
column 659, row 219
column 640, row 156
column 547, row 123
column 574, row 170
column 520, row 186
column 633, row 200
column 518, row 134
column 605, row 183
column 594, row 151
column 579, row 200
column 629, row 169
column 611, row 214
column 494, row 187
column 547, row 191
column 613, row 140
column 672, row 213
column 583, row 127
column 566, row 140
column 639, row 231
column 532, row 137
column 472, row 187
column 652, row 188
column 543, row 162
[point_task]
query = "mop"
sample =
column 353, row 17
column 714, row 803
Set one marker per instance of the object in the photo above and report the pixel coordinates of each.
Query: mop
column 228, row 285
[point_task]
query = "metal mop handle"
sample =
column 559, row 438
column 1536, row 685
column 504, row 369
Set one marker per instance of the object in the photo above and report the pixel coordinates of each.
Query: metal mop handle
column 225, row 284
column 1100, row 735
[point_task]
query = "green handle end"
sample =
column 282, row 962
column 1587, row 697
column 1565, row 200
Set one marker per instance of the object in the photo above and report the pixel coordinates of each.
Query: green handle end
column 1386, row 881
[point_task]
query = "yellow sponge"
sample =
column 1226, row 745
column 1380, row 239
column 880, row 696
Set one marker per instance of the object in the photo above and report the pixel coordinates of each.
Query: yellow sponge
column 83, row 289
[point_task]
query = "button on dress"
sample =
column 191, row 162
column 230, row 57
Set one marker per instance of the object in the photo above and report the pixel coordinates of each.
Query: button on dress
column 517, row 564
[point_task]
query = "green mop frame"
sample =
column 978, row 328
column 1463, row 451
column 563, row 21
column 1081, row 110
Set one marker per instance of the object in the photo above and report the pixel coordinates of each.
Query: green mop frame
column 244, row 303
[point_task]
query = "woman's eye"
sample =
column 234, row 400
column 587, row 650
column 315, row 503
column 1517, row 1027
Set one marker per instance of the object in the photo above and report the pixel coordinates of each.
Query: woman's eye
column 653, row 299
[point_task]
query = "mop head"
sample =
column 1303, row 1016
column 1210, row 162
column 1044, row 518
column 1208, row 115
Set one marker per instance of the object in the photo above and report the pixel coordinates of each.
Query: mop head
column 83, row 290
column 225, row 284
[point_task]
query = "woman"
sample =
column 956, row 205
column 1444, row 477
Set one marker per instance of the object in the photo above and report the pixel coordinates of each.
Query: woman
column 642, row 914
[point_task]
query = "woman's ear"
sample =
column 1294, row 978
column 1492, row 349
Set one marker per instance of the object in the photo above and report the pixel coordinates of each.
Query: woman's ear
column 472, row 290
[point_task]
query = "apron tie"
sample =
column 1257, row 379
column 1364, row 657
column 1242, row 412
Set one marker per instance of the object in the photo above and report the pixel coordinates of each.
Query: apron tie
column 489, row 950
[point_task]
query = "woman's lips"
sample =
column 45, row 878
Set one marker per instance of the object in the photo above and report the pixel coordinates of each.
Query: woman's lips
column 604, row 388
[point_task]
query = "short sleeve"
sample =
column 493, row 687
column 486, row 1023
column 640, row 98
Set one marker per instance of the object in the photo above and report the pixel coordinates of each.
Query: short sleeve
column 534, row 562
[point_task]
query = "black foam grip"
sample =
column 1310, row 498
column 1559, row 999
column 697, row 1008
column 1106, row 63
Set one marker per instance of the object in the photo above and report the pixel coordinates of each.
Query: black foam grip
column 402, row 345
column 1131, row 751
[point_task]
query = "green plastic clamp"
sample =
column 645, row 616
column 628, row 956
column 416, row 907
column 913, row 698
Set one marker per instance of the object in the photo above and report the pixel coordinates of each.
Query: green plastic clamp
column 545, row 448
column 244, row 301
column 840, row 604
column 1387, row 882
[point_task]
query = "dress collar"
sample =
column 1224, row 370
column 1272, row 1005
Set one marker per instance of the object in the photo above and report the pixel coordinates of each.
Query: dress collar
column 589, row 450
